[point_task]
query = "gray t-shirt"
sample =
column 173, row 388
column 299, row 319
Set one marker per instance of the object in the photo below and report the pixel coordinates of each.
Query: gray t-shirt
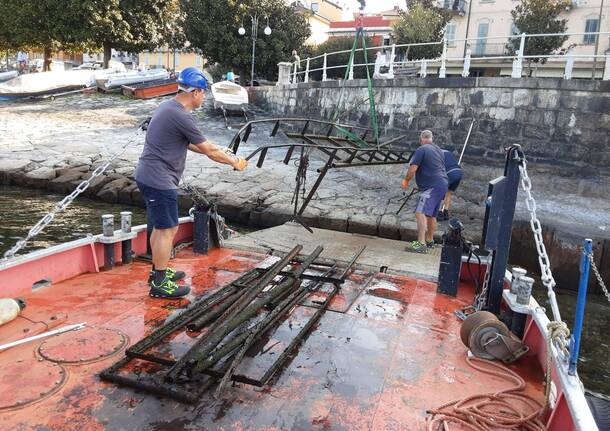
column 431, row 171
column 171, row 130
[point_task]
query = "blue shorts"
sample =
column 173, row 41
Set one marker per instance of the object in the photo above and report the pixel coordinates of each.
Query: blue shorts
column 430, row 200
column 161, row 206
column 455, row 176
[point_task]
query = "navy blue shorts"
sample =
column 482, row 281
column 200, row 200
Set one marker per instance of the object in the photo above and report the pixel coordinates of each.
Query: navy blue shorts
column 455, row 177
column 161, row 206
column 430, row 200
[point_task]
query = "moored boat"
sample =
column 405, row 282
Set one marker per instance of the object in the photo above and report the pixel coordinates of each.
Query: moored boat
column 147, row 90
column 32, row 85
column 114, row 81
column 10, row 74
column 231, row 98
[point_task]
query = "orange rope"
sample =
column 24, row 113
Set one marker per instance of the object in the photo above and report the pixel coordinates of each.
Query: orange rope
column 508, row 409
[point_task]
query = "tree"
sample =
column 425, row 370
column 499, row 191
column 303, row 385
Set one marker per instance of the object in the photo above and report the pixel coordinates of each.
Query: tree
column 41, row 24
column 131, row 25
column 211, row 28
column 536, row 17
column 334, row 44
column 422, row 22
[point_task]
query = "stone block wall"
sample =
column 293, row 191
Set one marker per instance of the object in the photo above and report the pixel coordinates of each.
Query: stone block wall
column 556, row 121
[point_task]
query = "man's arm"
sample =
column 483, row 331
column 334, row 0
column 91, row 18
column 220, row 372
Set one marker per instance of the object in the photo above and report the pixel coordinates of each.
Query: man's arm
column 219, row 155
column 410, row 174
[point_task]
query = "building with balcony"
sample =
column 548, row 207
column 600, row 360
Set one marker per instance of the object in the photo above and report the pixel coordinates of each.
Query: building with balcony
column 492, row 19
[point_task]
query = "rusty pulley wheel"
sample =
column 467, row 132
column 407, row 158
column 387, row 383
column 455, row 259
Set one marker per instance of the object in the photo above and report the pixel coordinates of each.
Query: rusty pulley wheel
column 472, row 321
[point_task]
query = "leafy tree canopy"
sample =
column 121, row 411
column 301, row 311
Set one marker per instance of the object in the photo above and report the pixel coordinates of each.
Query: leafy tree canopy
column 422, row 22
column 536, row 17
column 211, row 28
column 334, row 44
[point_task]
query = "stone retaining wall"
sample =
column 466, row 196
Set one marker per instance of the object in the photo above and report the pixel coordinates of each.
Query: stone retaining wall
column 555, row 121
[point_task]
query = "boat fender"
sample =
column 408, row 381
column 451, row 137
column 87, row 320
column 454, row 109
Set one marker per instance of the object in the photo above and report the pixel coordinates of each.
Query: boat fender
column 600, row 409
column 10, row 308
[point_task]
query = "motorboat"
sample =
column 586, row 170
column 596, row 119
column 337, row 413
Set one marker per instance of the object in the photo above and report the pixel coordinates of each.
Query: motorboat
column 112, row 81
column 148, row 90
column 231, row 99
column 10, row 74
column 33, row 85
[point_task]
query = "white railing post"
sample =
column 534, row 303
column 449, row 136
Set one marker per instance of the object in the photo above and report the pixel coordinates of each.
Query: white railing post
column 423, row 72
column 466, row 70
column 518, row 62
column 294, row 75
column 567, row 74
column 324, row 76
column 351, row 70
column 392, row 55
column 443, row 70
column 607, row 69
column 306, row 71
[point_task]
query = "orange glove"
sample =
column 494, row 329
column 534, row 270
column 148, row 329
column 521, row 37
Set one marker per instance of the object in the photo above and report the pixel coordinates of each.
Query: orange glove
column 240, row 164
column 405, row 183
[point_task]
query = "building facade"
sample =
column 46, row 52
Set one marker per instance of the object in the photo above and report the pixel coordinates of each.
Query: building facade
column 492, row 19
column 320, row 14
column 170, row 59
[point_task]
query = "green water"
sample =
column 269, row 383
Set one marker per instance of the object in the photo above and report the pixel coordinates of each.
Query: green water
column 21, row 208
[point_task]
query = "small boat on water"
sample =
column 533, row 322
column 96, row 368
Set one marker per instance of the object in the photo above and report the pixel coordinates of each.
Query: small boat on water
column 231, row 98
column 34, row 85
column 148, row 90
column 5, row 76
column 114, row 81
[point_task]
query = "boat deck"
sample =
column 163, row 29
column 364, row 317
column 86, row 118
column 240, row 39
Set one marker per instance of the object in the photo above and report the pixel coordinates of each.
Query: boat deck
column 387, row 350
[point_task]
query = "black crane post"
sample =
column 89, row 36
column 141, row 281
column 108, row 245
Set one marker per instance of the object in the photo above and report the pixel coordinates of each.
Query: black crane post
column 498, row 225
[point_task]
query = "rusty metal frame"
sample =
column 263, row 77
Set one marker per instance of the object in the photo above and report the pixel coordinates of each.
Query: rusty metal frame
column 342, row 151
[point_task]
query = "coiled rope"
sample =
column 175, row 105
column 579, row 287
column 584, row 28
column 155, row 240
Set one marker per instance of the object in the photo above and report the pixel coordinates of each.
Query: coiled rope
column 508, row 409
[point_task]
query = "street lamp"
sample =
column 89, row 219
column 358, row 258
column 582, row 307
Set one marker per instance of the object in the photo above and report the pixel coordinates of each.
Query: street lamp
column 242, row 31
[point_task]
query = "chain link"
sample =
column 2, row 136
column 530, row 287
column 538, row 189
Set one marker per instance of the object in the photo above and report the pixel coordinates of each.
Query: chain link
column 543, row 258
column 481, row 300
column 66, row 201
column 600, row 281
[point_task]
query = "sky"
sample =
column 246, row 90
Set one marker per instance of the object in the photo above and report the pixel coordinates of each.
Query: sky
column 375, row 5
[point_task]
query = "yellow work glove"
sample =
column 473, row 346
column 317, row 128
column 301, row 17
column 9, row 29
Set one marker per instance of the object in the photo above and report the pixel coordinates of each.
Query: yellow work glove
column 240, row 163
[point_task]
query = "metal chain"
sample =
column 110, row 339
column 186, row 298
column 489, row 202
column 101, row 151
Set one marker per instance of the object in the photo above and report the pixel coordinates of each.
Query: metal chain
column 66, row 201
column 543, row 258
column 600, row 281
column 481, row 300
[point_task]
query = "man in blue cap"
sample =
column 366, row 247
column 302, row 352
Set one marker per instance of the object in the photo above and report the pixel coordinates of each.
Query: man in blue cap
column 171, row 132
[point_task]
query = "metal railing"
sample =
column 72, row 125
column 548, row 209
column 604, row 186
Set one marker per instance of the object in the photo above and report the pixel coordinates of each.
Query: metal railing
column 478, row 49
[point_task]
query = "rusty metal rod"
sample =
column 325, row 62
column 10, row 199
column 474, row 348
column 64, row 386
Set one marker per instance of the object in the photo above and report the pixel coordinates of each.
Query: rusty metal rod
column 200, row 322
column 193, row 312
column 217, row 330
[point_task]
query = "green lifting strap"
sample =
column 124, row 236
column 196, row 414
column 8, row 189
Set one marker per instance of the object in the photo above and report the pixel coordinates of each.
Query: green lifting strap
column 341, row 103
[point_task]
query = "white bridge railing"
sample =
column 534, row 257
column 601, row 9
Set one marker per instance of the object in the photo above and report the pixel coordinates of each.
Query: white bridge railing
column 478, row 50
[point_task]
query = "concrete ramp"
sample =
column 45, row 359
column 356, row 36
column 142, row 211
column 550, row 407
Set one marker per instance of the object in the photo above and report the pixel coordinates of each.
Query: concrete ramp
column 341, row 246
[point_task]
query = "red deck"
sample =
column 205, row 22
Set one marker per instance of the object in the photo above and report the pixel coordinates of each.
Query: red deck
column 388, row 351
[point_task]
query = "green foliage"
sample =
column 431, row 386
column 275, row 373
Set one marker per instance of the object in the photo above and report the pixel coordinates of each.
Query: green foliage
column 211, row 28
column 536, row 17
column 422, row 22
column 132, row 25
column 334, row 44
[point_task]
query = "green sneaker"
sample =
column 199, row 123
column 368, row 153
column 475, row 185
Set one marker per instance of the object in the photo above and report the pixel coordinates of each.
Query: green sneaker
column 168, row 289
column 430, row 244
column 173, row 275
column 418, row 247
